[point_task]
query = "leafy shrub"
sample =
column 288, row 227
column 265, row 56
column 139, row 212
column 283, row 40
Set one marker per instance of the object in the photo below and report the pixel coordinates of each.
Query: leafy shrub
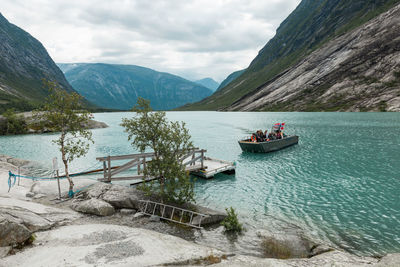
column 12, row 123
column 231, row 222
column 382, row 106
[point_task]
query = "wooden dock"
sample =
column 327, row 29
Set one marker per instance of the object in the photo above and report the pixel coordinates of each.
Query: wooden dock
column 194, row 162
column 213, row 167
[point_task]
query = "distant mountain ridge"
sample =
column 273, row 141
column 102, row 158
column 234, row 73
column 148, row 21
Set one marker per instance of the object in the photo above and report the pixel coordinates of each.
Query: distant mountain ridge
column 24, row 62
column 231, row 77
column 309, row 27
column 209, row 83
column 119, row 86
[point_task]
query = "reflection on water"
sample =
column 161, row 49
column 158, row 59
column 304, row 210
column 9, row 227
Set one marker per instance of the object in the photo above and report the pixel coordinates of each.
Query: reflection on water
column 339, row 184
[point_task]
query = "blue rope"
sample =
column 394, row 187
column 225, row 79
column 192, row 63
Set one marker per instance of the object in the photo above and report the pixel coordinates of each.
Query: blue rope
column 50, row 178
column 10, row 184
column 79, row 190
column 70, row 192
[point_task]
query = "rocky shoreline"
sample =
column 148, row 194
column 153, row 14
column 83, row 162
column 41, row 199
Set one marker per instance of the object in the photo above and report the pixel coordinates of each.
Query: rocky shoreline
column 101, row 226
column 31, row 124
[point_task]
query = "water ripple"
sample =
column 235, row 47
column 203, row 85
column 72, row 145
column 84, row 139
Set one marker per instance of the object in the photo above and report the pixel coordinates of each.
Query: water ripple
column 340, row 184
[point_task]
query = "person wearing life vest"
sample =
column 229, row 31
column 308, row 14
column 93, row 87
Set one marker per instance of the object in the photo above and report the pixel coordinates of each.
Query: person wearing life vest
column 253, row 138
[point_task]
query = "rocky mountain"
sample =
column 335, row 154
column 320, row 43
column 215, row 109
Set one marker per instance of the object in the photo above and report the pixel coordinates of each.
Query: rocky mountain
column 312, row 26
column 358, row 71
column 119, row 86
column 24, row 62
column 231, row 77
column 209, row 83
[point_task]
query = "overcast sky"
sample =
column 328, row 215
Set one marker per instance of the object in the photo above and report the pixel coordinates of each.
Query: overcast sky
column 194, row 39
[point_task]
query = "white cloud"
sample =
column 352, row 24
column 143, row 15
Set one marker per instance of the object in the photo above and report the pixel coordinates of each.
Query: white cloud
column 194, row 39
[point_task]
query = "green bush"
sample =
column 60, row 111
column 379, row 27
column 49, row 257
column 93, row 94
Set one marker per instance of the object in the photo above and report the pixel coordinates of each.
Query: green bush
column 12, row 123
column 231, row 222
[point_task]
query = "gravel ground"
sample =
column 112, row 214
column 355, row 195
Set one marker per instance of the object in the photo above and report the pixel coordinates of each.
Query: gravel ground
column 114, row 252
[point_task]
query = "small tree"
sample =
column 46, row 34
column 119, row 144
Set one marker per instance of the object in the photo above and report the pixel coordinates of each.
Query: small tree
column 13, row 123
column 63, row 113
column 169, row 141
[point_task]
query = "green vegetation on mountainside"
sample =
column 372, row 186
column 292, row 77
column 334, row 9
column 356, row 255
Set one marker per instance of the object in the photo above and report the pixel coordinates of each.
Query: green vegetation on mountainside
column 308, row 27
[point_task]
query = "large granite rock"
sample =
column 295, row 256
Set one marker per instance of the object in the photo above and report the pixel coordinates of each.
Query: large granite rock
column 94, row 191
column 94, row 206
column 18, row 224
column 32, row 221
column 108, row 245
column 122, row 197
column 19, row 219
column 12, row 231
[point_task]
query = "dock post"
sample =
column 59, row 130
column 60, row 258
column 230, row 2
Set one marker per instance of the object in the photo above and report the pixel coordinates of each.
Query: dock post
column 104, row 170
column 58, row 183
column 202, row 159
column 19, row 173
column 109, row 168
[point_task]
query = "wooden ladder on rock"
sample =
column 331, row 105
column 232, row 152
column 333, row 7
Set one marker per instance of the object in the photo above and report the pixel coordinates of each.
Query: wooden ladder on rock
column 172, row 214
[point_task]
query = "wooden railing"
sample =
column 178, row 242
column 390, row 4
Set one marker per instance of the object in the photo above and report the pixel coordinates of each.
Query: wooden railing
column 139, row 161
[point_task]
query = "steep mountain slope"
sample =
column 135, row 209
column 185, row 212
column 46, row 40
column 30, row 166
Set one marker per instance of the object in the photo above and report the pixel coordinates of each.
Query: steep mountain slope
column 308, row 27
column 209, row 83
column 354, row 72
column 119, row 86
column 231, row 77
column 24, row 62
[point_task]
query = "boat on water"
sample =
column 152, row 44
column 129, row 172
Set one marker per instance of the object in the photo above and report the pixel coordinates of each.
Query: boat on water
column 267, row 144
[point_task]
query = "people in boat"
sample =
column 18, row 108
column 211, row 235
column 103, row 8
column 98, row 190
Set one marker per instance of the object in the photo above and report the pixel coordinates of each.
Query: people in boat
column 253, row 138
column 272, row 136
column 259, row 136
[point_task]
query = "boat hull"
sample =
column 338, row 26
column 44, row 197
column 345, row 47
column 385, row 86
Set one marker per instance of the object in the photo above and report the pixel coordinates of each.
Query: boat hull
column 268, row 146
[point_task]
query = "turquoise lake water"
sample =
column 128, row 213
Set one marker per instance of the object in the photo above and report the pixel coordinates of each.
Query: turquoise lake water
column 341, row 183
